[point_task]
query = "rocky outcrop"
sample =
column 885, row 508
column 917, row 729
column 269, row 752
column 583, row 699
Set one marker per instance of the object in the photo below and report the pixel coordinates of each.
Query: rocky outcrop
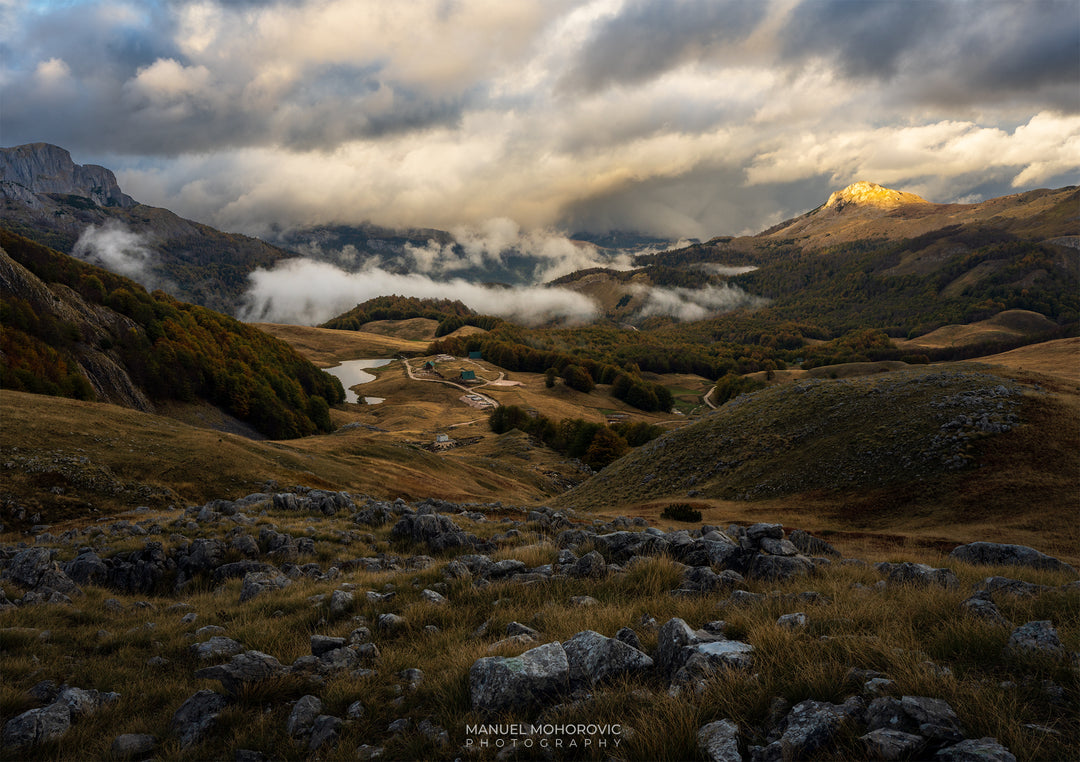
column 45, row 168
column 869, row 194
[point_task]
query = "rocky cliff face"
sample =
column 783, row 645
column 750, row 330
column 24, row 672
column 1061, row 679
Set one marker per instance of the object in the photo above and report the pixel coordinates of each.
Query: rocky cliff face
column 45, row 168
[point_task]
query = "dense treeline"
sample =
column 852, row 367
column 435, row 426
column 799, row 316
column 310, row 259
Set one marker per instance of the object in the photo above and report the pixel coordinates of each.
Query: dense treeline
column 507, row 349
column 731, row 386
column 31, row 364
column 596, row 444
column 408, row 307
column 172, row 350
column 450, row 324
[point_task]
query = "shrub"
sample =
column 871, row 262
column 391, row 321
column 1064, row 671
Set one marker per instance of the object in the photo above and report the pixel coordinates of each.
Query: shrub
column 681, row 512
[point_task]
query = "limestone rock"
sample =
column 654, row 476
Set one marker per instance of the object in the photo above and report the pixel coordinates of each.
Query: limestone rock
column 498, row 684
column 45, row 168
column 810, row 545
column 673, row 636
column 892, row 744
column 796, row 621
column 780, row 567
column 629, row 637
column 975, row 750
column 216, row 647
column 594, row 658
column 341, row 602
column 1004, row 585
column 1035, row 639
column 719, row 741
column 999, row 554
column 324, row 732
column 437, row 532
column 303, row 714
column 591, row 565
column 37, row 726
column 930, row 718
column 257, row 583
column 196, row 716
column 87, row 568
column 921, row 575
column 81, row 702
column 248, row 667
column 985, row 609
column 811, row 725
column 863, row 194
column 321, row 644
column 35, row 570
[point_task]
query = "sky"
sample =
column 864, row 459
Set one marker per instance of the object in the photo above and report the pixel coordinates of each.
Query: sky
column 676, row 118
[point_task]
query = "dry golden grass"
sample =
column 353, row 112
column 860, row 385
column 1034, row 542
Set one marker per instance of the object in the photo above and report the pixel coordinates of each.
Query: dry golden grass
column 1059, row 358
column 79, row 459
column 896, row 632
column 1009, row 325
column 325, row 347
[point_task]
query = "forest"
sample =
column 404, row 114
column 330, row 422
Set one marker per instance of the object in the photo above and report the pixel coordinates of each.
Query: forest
column 170, row 349
column 595, row 444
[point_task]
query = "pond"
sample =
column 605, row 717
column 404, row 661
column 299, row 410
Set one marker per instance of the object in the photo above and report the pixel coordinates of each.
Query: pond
column 353, row 372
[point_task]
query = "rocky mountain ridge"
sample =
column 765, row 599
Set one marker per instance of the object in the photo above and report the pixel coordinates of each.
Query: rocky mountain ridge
column 36, row 168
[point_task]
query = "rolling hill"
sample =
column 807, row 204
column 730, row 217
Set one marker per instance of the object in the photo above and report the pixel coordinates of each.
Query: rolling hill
column 951, row 444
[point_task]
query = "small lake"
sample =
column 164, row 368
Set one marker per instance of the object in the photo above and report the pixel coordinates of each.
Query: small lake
column 353, row 372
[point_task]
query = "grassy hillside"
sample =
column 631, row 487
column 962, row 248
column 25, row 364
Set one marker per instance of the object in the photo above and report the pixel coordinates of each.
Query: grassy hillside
column 949, row 444
column 67, row 459
column 65, row 320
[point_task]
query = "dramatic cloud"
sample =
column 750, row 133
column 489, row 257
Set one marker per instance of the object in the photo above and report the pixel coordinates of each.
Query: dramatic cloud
column 646, row 38
column 672, row 117
column 306, row 292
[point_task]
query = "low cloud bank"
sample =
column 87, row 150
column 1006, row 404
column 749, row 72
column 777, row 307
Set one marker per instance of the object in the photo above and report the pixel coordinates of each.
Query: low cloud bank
column 307, row 292
column 498, row 242
column 121, row 251
column 697, row 304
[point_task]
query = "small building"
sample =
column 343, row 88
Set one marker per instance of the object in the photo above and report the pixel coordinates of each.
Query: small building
column 478, row 355
column 468, row 375
column 429, row 365
column 442, row 442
